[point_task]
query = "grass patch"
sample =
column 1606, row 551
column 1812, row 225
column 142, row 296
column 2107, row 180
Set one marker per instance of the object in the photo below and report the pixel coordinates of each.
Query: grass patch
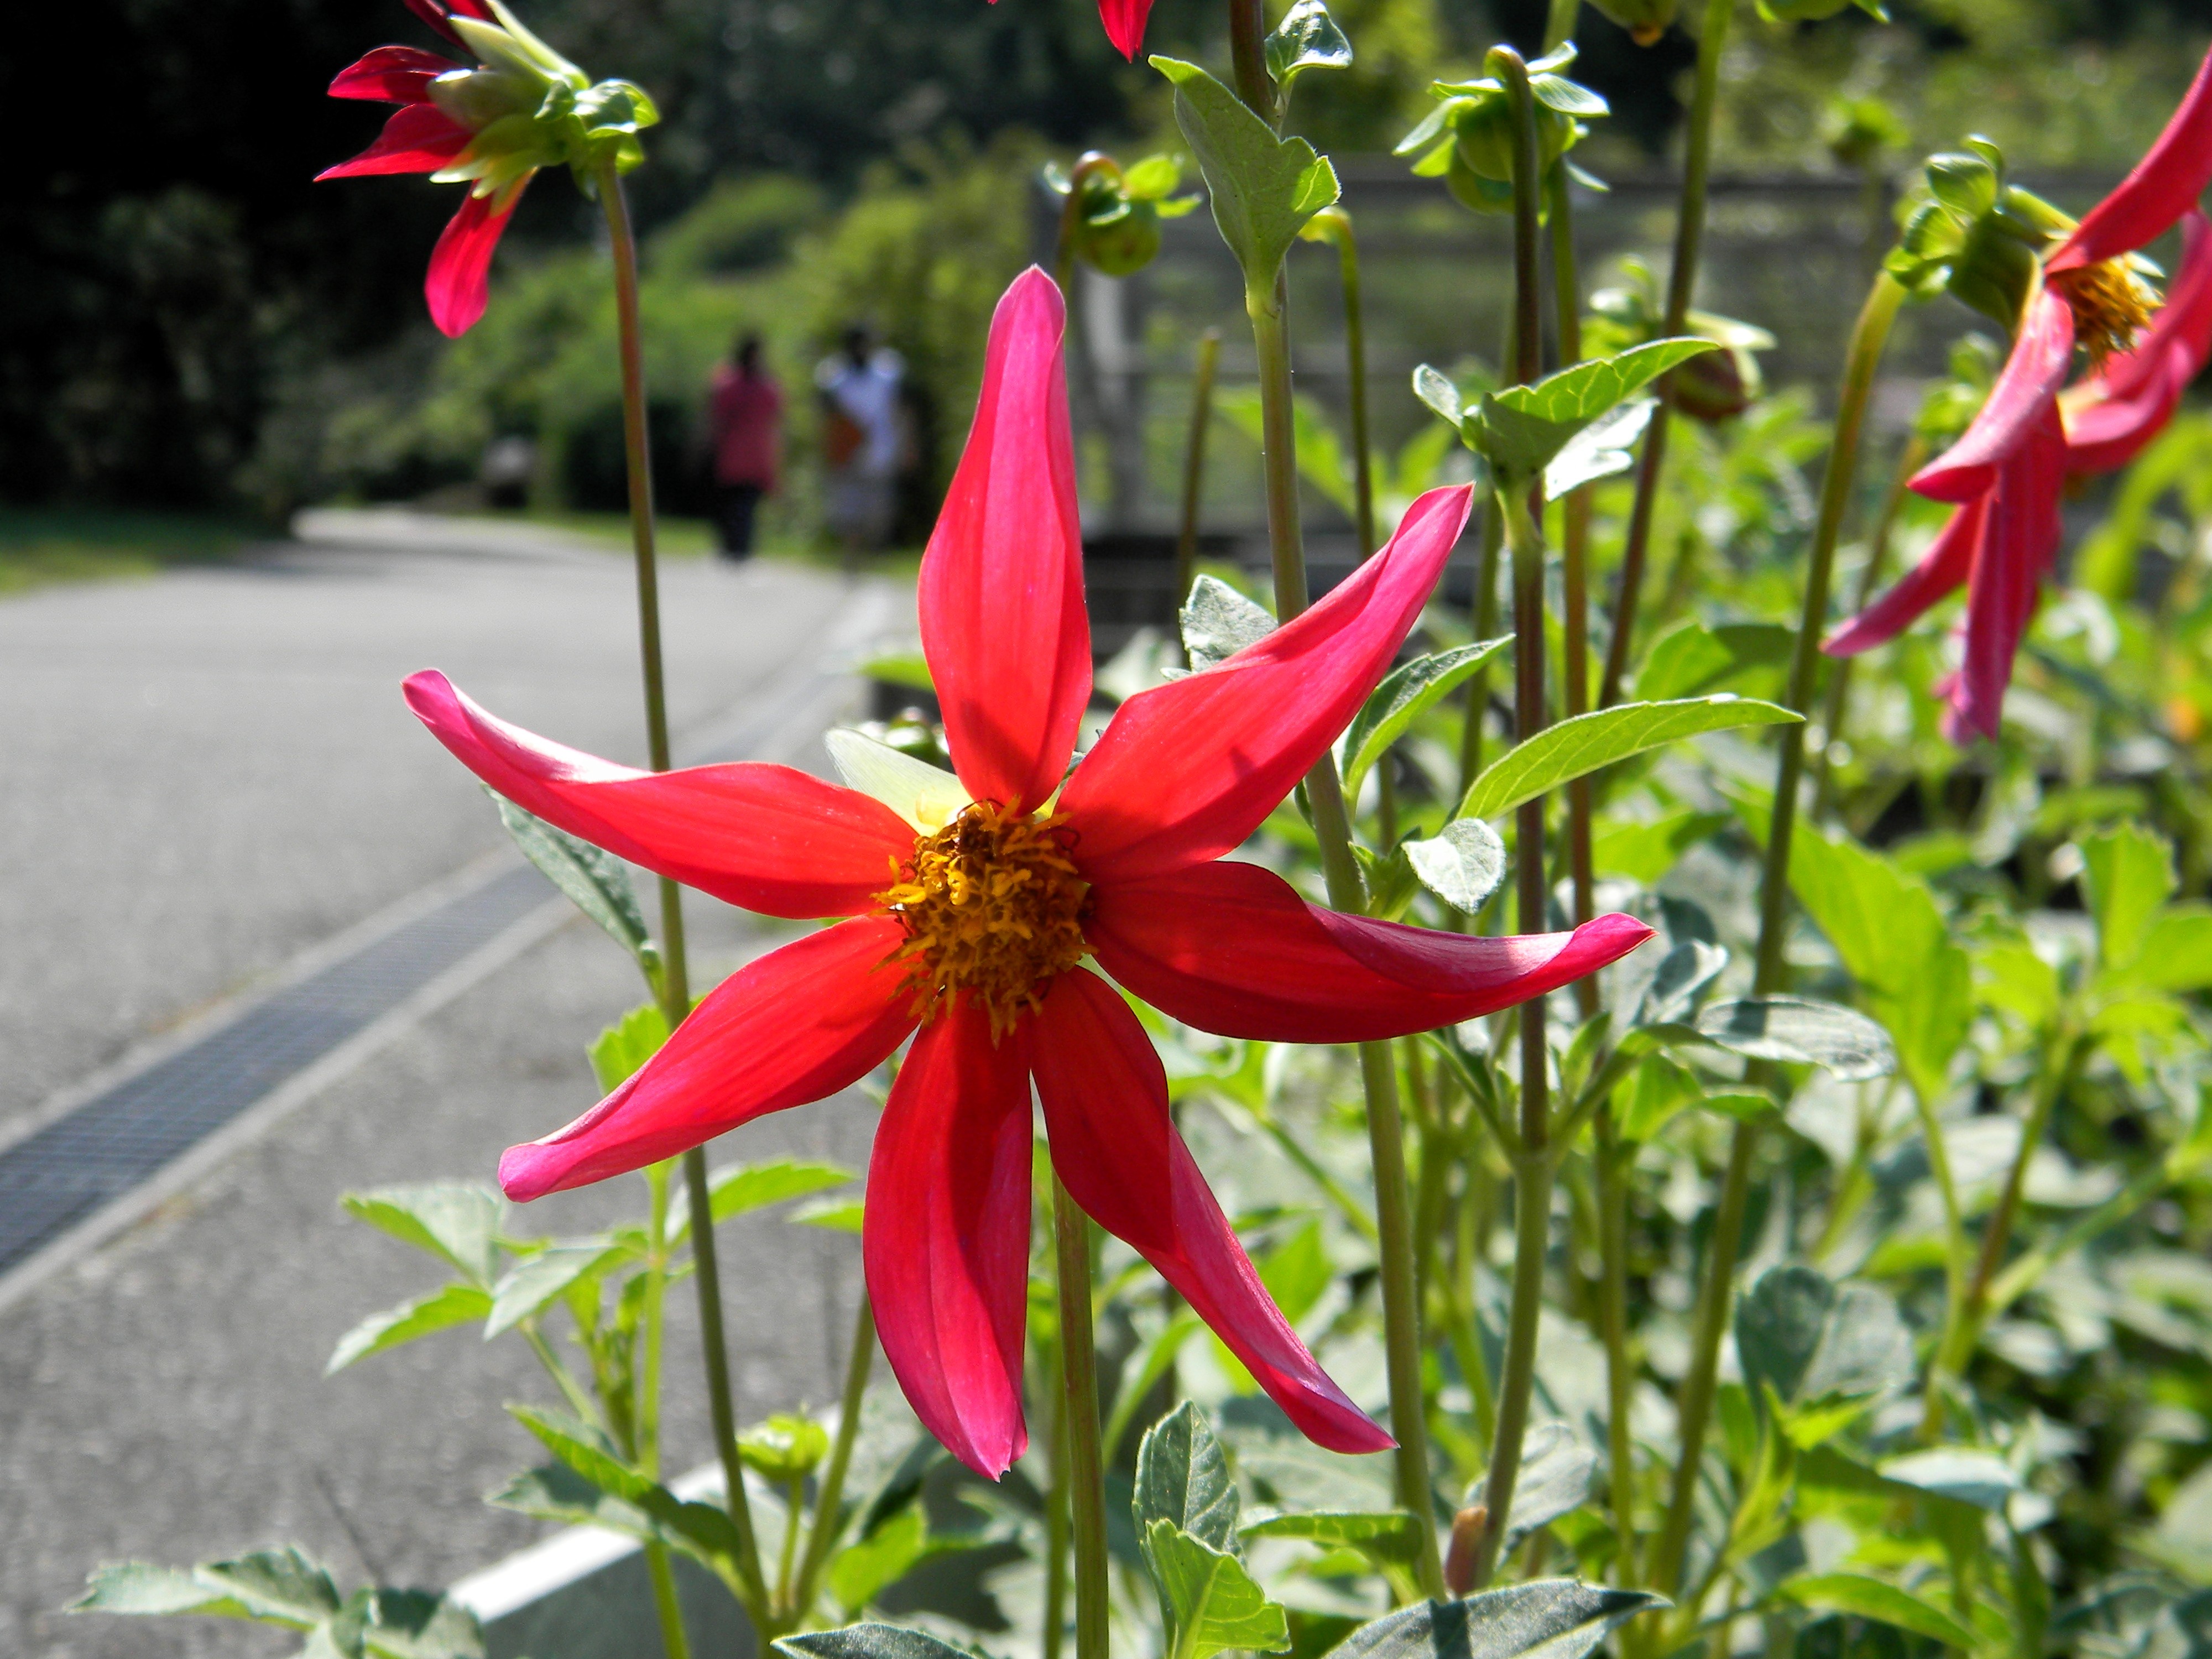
column 42, row 545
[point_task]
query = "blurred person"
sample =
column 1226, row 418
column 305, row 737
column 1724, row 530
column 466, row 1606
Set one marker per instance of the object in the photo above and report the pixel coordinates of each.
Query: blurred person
column 745, row 415
column 863, row 439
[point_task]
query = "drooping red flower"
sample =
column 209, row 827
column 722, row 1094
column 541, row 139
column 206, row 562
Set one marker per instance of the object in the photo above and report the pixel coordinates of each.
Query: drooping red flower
column 970, row 904
column 1125, row 23
column 489, row 125
column 2009, row 469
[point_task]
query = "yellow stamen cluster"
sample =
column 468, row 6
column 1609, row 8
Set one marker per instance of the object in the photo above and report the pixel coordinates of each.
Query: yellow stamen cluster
column 991, row 905
column 2110, row 303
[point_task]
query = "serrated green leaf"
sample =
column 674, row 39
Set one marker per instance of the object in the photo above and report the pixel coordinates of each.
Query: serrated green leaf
column 1183, row 1478
column 1307, row 38
column 620, row 1051
column 1219, row 622
column 835, row 1215
column 1519, row 429
column 1405, row 694
column 699, row 1529
column 1547, row 1618
column 2176, row 954
column 1600, row 449
column 1683, row 974
column 1884, row 1603
column 138, row 1588
column 406, row 1624
column 1461, row 864
column 455, row 1304
column 1207, row 1600
column 458, row 1221
column 536, row 1281
column 1811, row 1341
column 2129, row 873
column 1693, row 660
column 870, row 1642
column 862, row 1571
column 919, row 792
column 1263, row 188
column 558, row 1493
column 593, row 879
column 1576, row 747
column 284, row 1586
column 1801, row 1031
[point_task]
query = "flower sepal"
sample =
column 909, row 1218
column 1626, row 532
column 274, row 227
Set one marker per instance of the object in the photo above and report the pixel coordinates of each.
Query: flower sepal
column 1971, row 234
column 1467, row 139
column 1116, row 215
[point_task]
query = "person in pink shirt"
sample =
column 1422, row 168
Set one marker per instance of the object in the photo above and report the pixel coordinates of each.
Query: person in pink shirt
column 746, row 415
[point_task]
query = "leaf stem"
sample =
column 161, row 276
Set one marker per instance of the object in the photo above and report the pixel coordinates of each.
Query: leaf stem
column 1716, row 1296
column 666, row 1609
column 1194, row 459
column 1086, row 1482
column 1681, row 284
column 829, row 1495
column 673, row 985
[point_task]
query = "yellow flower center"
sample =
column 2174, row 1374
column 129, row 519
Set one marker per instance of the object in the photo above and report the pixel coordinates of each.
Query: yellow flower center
column 2109, row 304
column 991, row 905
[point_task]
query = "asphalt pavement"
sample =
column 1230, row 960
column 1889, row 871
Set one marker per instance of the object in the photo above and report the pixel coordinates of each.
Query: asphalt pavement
column 206, row 774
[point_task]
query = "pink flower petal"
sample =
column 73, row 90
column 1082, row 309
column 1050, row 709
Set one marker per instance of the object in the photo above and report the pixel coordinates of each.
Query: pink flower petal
column 2022, row 537
column 1001, row 597
column 768, row 838
column 1187, row 770
column 1948, row 563
column 1125, row 23
column 436, row 12
column 2163, row 185
column 459, row 284
column 1106, row 1114
column 416, row 138
column 796, row 1025
column 946, row 1239
column 391, row 75
column 1232, row 948
column 2020, row 401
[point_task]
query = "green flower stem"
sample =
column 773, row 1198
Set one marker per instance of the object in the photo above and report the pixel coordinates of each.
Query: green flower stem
column 1071, row 214
column 1248, row 57
column 1194, row 459
column 646, row 1449
column 1055, row 1522
column 1715, row 1297
column 674, row 985
column 1378, row 1068
column 1681, row 281
column 1612, row 1330
column 829, row 1494
column 1839, row 675
column 1085, row 1483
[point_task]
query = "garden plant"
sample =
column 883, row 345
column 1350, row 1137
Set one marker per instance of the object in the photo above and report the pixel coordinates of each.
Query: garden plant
column 1718, row 1120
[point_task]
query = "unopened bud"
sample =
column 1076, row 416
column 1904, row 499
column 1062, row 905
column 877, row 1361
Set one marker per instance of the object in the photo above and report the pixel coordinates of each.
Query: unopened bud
column 1466, row 1539
column 1646, row 20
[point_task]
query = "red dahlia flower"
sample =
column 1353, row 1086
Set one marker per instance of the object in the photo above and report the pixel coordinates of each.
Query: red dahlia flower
column 971, row 903
column 490, row 126
column 2009, row 470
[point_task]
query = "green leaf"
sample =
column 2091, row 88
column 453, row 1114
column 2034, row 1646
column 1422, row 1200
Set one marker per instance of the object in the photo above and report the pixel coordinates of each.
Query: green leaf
column 1401, row 699
column 1645, row 851
column 1683, row 974
column 1797, row 1029
column 421, row 1625
column 595, row 881
column 1884, row 1603
column 1263, row 188
column 456, row 1304
column 907, row 668
column 1519, row 429
column 835, row 1215
column 283, row 1587
column 1557, row 1473
column 1434, row 387
column 1219, row 622
column 1600, row 449
column 1978, row 1478
column 1461, row 864
column 1392, row 1537
column 738, row 1189
column 1391, row 883
column 869, row 1642
column 1322, row 461
column 620, row 1052
column 458, row 1221
column 536, row 1281
column 860, row 1572
column 1581, row 745
column 138, row 1588
column 558, row 1493
column 2176, row 953
column 2129, row 875
column 1810, row 1340
column 1549, row 1618
column 1207, row 1600
column 1661, row 1088
column 1183, row 1478
column 1692, row 659
column 700, row 1530
column 922, row 795
column 1152, row 177
column 1307, row 38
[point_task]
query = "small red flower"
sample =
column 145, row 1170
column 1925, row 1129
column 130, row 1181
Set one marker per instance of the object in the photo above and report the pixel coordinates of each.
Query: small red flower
column 1125, row 23
column 489, row 126
column 2009, row 470
column 971, row 923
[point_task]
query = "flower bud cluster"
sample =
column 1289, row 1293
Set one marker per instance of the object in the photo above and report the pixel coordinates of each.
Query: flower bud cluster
column 529, row 107
column 1971, row 234
column 1467, row 139
column 1113, row 217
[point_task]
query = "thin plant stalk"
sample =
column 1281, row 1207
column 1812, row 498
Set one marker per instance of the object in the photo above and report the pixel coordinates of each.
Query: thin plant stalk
column 829, row 1493
column 1056, row 1521
column 1839, row 673
column 1682, row 282
column 646, row 1450
column 674, row 984
column 1085, row 1482
column 1533, row 1163
column 1716, row 1296
column 1194, row 460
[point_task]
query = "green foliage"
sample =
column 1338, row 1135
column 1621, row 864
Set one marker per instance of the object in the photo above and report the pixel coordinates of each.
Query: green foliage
column 1576, row 747
column 1556, row 1618
column 288, row 1590
column 595, row 881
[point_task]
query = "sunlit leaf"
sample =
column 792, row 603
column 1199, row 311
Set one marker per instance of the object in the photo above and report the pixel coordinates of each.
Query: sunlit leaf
column 1576, row 747
column 442, row 1309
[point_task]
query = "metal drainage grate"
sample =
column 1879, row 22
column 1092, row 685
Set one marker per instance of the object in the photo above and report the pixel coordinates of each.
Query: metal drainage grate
column 54, row 1178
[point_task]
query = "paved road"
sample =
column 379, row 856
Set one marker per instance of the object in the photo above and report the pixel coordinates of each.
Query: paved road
column 206, row 774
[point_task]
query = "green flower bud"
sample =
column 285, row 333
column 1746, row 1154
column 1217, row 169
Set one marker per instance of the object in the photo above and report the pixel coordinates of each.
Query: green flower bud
column 1113, row 219
column 1970, row 234
column 1467, row 139
column 784, row 1448
column 1646, row 20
